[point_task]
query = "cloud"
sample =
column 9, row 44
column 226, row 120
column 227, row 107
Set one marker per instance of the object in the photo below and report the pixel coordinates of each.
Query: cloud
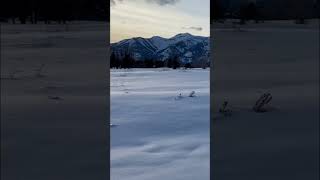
column 193, row 28
column 159, row 2
column 114, row 2
column 163, row 2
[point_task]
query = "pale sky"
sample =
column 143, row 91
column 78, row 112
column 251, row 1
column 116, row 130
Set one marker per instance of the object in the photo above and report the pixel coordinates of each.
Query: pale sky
column 165, row 18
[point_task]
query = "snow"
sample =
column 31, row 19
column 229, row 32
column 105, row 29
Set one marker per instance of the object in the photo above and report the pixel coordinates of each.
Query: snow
column 159, row 42
column 53, row 126
column 146, row 44
column 277, row 57
column 188, row 54
column 160, row 135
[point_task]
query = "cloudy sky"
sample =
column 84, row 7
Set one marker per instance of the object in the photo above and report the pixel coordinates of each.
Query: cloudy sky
column 166, row 18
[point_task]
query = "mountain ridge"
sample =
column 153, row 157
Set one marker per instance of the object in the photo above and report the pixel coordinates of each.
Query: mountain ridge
column 187, row 47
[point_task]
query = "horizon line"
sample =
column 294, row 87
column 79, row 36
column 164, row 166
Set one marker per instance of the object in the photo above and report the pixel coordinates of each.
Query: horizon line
column 158, row 36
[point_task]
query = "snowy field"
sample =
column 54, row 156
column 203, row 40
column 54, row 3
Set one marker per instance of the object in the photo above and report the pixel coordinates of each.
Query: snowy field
column 281, row 58
column 68, row 131
column 156, row 134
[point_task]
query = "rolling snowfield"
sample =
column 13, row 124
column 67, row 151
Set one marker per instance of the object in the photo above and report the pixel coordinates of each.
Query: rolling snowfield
column 156, row 133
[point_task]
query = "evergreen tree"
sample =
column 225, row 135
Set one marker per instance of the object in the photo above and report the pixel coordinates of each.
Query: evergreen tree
column 187, row 66
column 248, row 12
column 139, row 64
column 252, row 12
column 242, row 14
column 125, row 61
column 119, row 63
column 169, row 62
column 159, row 64
column 131, row 62
column 113, row 60
column 175, row 62
column 217, row 11
column 128, row 61
column 148, row 63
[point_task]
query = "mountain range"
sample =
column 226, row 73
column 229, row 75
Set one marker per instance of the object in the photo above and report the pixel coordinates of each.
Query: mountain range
column 188, row 48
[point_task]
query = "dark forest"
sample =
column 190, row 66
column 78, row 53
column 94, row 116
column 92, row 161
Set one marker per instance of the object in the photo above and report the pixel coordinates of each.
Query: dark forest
column 53, row 11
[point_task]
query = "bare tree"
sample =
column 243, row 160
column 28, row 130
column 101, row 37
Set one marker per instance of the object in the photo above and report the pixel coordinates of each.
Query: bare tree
column 260, row 104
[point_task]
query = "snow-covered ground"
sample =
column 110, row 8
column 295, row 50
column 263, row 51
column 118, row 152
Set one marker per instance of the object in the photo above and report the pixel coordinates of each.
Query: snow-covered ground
column 48, row 138
column 156, row 134
column 281, row 58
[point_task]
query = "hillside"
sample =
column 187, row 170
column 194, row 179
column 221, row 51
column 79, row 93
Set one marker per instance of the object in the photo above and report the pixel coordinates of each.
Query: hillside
column 188, row 48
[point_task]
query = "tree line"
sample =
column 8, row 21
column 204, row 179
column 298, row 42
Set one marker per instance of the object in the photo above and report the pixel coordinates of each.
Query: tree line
column 245, row 12
column 128, row 61
column 53, row 11
column 259, row 11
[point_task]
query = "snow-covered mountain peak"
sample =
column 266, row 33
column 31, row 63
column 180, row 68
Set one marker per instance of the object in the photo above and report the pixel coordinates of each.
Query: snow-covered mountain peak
column 183, row 35
column 187, row 47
